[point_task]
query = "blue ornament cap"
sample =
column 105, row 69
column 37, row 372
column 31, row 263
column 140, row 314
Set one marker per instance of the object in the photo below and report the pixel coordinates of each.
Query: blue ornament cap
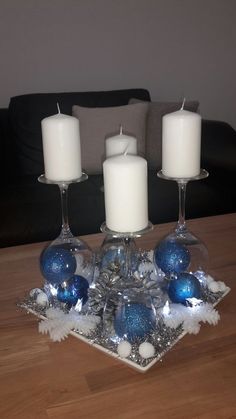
column 134, row 321
column 73, row 290
column 57, row 264
column 184, row 286
column 171, row 257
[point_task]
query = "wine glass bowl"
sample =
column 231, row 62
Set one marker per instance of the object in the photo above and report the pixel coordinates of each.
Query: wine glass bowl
column 181, row 250
column 67, row 262
column 120, row 249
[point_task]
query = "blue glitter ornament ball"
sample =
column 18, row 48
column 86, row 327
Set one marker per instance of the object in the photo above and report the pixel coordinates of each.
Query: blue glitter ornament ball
column 184, row 286
column 73, row 290
column 134, row 321
column 57, row 264
column 171, row 257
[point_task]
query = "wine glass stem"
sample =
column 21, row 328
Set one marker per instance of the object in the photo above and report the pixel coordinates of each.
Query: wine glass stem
column 181, row 225
column 65, row 228
column 128, row 270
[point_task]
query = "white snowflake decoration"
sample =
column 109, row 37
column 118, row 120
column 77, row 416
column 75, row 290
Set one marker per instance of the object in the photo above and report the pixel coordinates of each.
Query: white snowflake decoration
column 215, row 286
column 59, row 324
column 190, row 317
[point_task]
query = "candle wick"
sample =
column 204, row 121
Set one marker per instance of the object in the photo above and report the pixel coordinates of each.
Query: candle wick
column 126, row 150
column 58, row 108
column 121, row 130
column 182, row 107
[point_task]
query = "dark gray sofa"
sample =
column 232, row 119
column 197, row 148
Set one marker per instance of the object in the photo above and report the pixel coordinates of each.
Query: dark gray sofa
column 30, row 211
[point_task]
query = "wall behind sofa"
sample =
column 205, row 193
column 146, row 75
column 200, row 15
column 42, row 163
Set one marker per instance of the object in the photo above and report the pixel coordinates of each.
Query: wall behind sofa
column 171, row 47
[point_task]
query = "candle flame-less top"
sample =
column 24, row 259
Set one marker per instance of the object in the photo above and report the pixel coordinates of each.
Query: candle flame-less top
column 121, row 143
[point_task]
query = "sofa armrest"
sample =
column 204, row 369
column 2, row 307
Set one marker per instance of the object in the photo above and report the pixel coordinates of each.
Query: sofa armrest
column 218, row 146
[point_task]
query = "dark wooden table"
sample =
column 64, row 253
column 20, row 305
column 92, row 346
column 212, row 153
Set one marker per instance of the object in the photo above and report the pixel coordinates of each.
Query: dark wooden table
column 41, row 379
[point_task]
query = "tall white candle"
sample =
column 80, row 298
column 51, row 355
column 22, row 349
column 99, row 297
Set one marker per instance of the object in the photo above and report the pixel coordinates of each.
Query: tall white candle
column 61, row 147
column 125, row 189
column 119, row 144
column 181, row 144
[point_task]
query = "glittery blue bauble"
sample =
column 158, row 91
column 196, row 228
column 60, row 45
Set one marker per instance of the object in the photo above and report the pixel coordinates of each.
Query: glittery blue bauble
column 134, row 321
column 171, row 257
column 73, row 290
column 184, row 286
column 57, row 264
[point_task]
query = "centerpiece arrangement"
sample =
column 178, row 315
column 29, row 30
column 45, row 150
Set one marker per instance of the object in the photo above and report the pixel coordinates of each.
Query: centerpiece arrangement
column 130, row 303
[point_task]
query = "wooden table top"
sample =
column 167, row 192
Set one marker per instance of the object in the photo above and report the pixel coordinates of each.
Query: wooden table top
column 41, row 379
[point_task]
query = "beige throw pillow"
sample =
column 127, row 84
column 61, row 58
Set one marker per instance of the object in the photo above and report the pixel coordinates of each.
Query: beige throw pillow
column 96, row 124
column 154, row 127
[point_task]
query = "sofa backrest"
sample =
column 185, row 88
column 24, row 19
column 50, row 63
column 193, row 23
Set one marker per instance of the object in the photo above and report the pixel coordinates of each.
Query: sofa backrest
column 24, row 145
column 3, row 142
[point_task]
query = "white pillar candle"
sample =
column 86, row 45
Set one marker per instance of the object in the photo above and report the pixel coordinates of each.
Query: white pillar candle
column 125, row 189
column 61, row 147
column 119, row 144
column 181, row 144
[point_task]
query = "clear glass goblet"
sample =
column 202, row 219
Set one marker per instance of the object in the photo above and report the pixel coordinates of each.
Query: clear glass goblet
column 67, row 260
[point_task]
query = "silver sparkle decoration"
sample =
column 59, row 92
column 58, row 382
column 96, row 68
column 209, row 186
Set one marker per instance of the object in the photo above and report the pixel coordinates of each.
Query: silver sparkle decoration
column 111, row 278
column 210, row 297
column 107, row 288
column 163, row 338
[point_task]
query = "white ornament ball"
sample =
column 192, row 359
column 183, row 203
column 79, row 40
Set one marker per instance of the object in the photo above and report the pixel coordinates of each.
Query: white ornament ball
column 42, row 299
column 34, row 292
column 222, row 286
column 209, row 279
column 146, row 350
column 213, row 286
column 124, row 349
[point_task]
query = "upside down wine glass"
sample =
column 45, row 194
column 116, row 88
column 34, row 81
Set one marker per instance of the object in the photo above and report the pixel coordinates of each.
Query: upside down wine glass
column 181, row 235
column 67, row 264
column 120, row 249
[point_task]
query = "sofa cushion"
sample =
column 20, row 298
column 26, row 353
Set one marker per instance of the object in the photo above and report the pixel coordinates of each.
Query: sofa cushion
column 156, row 111
column 96, row 124
column 27, row 111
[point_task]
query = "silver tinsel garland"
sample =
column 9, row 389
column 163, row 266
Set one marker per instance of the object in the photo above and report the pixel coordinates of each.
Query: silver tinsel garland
column 105, row 293
column 110, row 282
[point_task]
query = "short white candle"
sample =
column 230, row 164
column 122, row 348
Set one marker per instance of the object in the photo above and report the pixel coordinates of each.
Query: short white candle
column 181, row 144
column 119, row 144
column 125, row 189
column 61, row 147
